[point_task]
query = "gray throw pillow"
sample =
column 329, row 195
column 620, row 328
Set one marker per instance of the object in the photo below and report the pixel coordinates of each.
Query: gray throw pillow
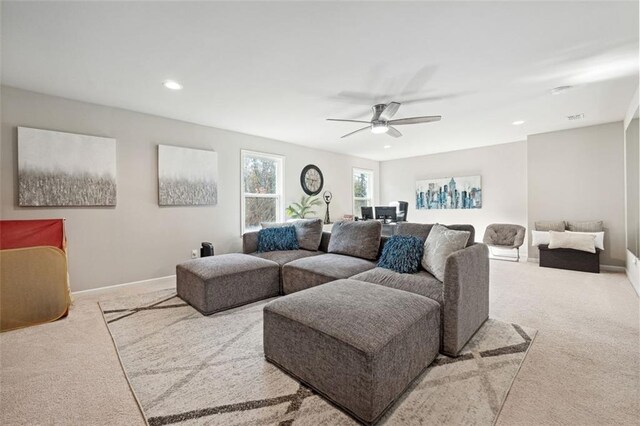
column 585, row 226
column 308, row 231
column 358, row 239
column 550, row 225
column 440, row 243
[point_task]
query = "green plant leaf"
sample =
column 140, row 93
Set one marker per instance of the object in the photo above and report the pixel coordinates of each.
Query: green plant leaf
column 303, row 208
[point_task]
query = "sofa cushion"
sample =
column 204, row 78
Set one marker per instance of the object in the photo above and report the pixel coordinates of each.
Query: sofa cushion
column 281, row 257
column 440, row 243
column 308, row 231
column 550, row 225
column 585, row 226
column 421, row 230
column 358, row 344
column 422, row 283
column 313, row 271
column 402, row 254
column 282, row 238
column 216, row 283
column 359, row 239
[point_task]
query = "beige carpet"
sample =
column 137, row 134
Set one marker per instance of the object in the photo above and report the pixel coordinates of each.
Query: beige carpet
column 64, row 373
column 186, row 368
column 584, row 367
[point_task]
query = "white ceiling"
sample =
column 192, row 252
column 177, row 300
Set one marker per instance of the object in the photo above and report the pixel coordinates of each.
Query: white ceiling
column 279, row 69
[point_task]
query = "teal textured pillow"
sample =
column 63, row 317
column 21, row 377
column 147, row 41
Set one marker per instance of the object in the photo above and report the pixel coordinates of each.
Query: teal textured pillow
column 272, row 239
column 402, row 254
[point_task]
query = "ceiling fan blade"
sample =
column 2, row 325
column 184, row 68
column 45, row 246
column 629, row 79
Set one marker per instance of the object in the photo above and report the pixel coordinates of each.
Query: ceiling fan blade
column 356, row 131
column 434, row 98
column 415, row 120
column 389, row 111
column 394, row 132
column 362, row 97
column 349, row 121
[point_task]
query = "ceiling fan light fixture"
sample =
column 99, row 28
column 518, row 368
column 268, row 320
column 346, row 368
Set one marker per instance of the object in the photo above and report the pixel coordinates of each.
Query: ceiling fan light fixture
column 381, row 121
column 379, row 128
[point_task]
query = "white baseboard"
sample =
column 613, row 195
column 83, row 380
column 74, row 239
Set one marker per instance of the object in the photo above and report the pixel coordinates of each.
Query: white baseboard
column 629, row 277
column 170, row 279
column 608, row 268
column 611, row 268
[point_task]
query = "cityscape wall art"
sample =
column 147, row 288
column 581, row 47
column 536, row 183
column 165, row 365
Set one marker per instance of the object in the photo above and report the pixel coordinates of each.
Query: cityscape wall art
column 463, row 192
column 65, row 169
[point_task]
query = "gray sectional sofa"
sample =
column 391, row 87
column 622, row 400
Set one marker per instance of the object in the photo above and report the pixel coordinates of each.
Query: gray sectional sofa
column 351, row 251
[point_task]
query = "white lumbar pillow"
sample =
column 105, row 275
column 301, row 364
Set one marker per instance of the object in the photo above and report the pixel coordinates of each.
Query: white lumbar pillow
column 539, row 237
column 599, row 242
column 573, row 240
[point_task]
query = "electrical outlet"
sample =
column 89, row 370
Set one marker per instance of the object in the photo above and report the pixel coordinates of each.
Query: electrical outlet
column 194, row 253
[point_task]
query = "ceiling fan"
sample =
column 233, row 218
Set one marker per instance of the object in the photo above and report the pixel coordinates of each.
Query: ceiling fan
column 381, row 121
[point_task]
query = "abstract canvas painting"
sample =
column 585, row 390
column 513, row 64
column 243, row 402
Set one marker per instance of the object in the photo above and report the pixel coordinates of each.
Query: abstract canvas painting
column 65, row 169
column 187, row 176
column 449, row 193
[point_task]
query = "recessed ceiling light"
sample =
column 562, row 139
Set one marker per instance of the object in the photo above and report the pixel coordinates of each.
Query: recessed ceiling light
column 560, row 89
column 173, row 85
column 387, row 146
column 518, row 122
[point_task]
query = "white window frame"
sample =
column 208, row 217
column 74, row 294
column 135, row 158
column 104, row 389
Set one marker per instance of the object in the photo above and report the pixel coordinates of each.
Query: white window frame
column 279, row 195
column 370, row 190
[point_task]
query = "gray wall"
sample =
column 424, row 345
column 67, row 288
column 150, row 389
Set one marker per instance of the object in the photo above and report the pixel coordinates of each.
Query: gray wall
column 504, row 184
column 578, row 174
column 632, row 167
column 632, row 264
column 137, row 240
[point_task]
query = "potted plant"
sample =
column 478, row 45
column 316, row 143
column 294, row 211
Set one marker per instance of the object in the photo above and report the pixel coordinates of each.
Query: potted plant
column 304, row 208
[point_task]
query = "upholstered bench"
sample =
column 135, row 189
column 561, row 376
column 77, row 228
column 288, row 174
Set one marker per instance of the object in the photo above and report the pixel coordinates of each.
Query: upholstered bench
column 358, row 344
column 216, row 283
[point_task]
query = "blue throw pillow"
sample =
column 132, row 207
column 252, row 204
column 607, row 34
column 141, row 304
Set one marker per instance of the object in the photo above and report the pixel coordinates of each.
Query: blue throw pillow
column 281, row 238
column 402, row 254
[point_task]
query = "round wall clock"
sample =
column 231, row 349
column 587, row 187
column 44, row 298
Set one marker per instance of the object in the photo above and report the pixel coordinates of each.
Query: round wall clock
column 311, row 180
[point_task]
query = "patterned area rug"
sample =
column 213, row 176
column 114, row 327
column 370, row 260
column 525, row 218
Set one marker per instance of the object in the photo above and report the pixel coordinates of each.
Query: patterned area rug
column 194, row 370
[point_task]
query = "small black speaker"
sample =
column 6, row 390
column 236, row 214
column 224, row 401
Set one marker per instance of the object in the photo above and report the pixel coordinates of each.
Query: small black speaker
column 206, row 250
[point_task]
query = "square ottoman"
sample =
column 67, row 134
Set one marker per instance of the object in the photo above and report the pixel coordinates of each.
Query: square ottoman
column 358, row 344
column 216, row 283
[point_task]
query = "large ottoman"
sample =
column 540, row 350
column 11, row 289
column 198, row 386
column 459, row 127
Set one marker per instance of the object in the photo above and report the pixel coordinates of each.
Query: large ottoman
column 215, row 283
column 358, row 344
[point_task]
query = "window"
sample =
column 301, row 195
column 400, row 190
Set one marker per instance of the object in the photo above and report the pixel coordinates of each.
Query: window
column 362, row 189
column 262, row 177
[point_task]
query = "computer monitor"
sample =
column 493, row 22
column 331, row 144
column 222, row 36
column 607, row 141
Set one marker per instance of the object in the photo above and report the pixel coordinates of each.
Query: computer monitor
column 386, row 213
column 401, row 210
column 367, row 212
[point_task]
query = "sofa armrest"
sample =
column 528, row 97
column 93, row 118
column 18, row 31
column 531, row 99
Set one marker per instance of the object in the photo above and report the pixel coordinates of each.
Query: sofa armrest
column 250, row 242
column 466, row 296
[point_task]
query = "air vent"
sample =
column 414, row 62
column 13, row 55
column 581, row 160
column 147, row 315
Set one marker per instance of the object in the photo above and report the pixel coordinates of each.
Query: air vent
column 575, row 117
